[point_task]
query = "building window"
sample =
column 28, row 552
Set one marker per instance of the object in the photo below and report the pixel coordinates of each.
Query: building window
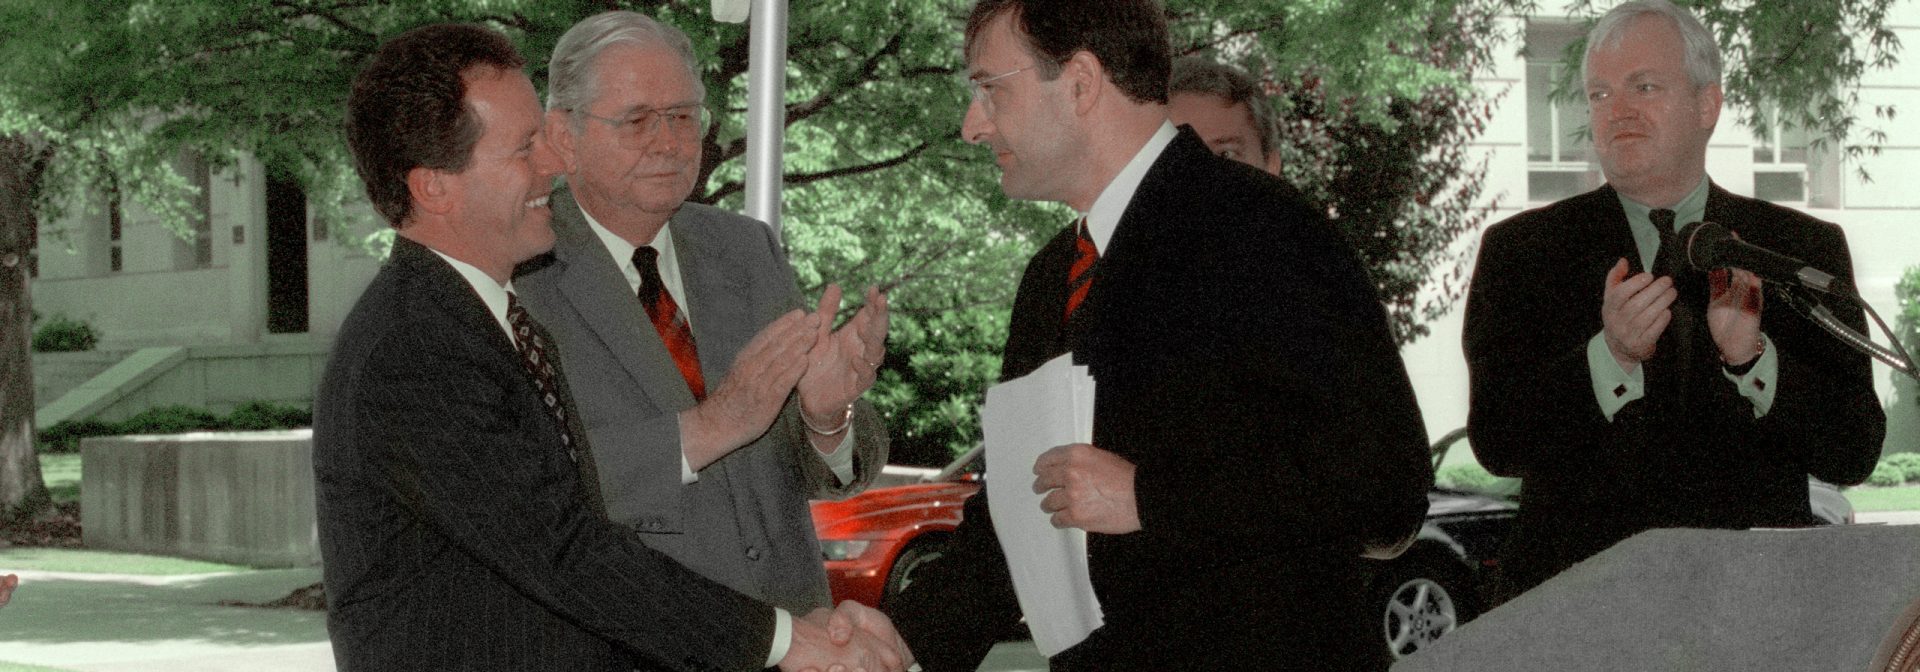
column 202, row 179
column 1780, row 158
column 1557, row 144
column 114, row 226
column 195, row 248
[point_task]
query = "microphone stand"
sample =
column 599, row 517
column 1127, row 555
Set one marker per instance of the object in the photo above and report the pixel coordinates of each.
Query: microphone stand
column 1808, row 305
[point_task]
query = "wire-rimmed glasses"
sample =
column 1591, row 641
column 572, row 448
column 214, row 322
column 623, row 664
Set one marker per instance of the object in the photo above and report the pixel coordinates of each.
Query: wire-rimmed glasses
column 639, row 127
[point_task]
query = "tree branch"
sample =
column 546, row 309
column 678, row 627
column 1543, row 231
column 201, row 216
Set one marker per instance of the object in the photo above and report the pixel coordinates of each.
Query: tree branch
column 795, row 179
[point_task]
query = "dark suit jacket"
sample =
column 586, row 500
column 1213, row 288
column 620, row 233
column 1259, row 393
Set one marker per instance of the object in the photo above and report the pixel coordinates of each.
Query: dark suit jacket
column 455, row 530
column 746, row 522
column 1245, row 367
column 1589, row 482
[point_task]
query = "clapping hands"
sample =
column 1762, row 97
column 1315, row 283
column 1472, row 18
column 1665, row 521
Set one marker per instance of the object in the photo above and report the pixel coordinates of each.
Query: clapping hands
column 842, row 363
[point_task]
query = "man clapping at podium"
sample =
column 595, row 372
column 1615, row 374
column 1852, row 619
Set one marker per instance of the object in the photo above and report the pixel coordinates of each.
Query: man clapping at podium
column 1628, row 391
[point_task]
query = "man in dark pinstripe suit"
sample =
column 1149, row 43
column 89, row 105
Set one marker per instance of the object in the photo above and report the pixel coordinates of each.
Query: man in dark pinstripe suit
column 459, row 521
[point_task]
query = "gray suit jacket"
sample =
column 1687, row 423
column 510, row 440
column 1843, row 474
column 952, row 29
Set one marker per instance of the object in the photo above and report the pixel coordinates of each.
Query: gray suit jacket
column 746, row 522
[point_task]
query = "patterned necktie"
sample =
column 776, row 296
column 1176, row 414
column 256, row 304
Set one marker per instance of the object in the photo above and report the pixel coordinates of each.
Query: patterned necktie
column 1079, row 276
column 537, row 351
column 667, row 319
column 532, row 342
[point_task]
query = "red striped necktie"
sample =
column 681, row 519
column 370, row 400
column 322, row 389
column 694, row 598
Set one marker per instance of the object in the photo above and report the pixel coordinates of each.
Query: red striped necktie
column 669, row 321
column 1079, row 280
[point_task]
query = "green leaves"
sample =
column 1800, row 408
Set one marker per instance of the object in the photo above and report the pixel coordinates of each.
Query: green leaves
column 1376, row 102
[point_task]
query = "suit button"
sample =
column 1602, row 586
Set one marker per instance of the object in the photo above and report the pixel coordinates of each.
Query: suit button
column 753, row 553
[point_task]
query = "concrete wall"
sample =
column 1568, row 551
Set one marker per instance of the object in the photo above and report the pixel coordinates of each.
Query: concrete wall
column 57, row 373
column 240, row 498
column 217, row 377
column 221, row 377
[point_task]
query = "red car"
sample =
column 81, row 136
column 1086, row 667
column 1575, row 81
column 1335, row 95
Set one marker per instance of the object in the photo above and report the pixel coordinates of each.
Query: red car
column 873, row 541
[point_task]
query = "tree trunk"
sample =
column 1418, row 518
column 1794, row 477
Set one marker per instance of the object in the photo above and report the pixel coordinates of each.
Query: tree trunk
column 23, row 493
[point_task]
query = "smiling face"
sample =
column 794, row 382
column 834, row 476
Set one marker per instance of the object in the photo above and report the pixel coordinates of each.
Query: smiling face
column 1025, row 120
column 1650, row 122
column 1226, row 127
column 632, row 189
column 501, row 196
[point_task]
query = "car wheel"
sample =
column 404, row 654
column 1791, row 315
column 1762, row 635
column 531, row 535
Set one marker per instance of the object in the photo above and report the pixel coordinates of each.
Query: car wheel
column 1419, row 601
column 917, row 554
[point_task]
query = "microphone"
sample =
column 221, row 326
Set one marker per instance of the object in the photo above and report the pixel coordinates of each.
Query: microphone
column 1709, row 246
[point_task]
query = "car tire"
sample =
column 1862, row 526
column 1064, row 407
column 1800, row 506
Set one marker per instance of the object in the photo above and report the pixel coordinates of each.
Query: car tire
column 1419, row 598
column 916, row 555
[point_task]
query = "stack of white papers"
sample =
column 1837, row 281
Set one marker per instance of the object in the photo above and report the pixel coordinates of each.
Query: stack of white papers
column 1023, row 418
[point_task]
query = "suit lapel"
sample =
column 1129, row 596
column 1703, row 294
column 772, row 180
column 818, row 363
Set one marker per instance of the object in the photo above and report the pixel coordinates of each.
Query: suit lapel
column 450, row 291
column 1608, row 229
column 718, row 295
column 596, row 288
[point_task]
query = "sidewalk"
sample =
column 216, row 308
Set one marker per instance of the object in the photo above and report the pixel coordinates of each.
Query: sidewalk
column 1888, row 517
column 127, row 623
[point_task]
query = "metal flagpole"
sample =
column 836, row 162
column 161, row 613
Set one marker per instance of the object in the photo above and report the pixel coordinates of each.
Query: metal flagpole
column 766, row 101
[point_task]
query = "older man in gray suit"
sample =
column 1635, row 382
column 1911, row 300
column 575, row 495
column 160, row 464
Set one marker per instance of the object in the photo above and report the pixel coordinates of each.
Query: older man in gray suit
column 672, row 319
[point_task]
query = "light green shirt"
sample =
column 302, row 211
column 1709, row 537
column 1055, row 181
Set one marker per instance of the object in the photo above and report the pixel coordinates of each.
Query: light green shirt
column 1613, row 387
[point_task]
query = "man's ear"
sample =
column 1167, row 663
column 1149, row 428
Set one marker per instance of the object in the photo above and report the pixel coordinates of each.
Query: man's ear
column 1711, row 98
column 433, row 191
column 559, row 132
column 1086, row 79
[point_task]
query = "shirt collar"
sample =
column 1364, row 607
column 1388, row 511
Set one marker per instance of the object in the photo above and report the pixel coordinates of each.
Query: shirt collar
column 1112, row 203
column 1646, row 238
column 622, row 251
column 1690, row 209
column 491, row 293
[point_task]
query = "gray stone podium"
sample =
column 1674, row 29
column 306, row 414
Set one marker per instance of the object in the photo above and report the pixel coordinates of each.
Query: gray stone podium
column 1823, row 599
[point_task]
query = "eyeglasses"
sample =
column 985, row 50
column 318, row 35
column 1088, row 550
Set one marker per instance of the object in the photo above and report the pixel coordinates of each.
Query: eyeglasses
column 637, row 129
column 978, row 87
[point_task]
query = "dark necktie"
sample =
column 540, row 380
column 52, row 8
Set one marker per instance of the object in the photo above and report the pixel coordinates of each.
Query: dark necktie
column 1670, row 262
column 667, row 319
column 532, row 342
column 1080, row 276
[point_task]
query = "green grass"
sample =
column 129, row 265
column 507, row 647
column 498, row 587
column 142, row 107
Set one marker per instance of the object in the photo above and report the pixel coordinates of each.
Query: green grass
column 62, row 473
column 1902, row 498
column 17, row 667
column 104, row 562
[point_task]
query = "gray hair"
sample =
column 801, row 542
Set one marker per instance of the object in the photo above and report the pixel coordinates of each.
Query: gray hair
column 570, row 73
column 1195, row 74
column 1703, row 62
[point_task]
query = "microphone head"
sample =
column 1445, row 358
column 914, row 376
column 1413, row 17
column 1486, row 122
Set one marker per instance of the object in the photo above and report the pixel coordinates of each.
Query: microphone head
column 1702, row 242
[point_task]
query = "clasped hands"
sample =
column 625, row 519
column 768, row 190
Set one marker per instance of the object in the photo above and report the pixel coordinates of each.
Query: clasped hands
column 848, row 638
column 799, row 350
column 1635, row 310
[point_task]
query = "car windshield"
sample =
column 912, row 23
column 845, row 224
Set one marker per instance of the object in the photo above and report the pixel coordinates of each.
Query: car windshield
column 1455, row 469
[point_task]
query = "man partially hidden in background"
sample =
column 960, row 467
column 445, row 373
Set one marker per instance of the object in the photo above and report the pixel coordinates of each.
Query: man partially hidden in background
column 1227, row 109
